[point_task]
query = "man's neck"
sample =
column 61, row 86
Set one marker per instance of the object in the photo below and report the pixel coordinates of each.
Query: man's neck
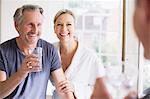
column 25, row 49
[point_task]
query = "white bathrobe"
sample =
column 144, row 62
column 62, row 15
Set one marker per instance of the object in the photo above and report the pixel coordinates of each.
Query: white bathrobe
column 83, row 71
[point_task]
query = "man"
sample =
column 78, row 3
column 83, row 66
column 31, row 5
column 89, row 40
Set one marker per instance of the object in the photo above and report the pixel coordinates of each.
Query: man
column 142, row 29
column 20, row 74
column 142, row 24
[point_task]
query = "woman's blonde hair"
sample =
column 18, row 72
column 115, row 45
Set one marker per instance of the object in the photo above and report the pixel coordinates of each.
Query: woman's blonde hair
column 63, row 11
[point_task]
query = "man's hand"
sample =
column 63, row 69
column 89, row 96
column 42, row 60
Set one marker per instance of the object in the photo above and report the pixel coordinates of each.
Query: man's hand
column 30, row 64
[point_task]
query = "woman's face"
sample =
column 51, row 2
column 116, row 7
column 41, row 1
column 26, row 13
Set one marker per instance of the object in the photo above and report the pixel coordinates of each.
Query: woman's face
column 64, row 27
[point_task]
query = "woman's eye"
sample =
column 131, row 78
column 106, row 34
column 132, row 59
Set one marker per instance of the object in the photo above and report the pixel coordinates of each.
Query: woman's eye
column 58, row 24
column 39, row 25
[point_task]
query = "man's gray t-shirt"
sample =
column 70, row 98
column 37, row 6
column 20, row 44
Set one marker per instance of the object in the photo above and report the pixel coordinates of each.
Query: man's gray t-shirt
column 34, row 86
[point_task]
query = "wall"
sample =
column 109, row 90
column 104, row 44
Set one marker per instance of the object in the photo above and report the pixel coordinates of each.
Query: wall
column 8, row 8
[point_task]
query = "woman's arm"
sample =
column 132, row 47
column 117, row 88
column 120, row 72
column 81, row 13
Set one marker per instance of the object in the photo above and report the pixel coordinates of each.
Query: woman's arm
column 60, row 83
column 100, row 90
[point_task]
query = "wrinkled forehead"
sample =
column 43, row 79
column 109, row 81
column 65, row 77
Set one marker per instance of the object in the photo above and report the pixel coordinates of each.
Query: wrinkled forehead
column 33, row 16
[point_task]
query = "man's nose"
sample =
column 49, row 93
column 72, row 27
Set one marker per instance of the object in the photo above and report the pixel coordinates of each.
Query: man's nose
column 35, row 29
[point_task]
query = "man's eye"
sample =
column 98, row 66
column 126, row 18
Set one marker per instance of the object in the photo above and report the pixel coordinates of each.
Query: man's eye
column 30, row 25
column 69, row 24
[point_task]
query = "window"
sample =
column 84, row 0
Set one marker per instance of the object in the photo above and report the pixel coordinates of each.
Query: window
column 99, row 26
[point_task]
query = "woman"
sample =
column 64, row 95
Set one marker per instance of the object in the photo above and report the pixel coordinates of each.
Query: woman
column 80, row 64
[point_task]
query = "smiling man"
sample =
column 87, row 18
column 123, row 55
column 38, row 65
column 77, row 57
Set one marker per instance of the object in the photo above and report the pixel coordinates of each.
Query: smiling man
column 20, row 74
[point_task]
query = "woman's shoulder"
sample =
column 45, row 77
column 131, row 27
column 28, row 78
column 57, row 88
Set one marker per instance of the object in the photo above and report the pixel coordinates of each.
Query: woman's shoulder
column 87, row 51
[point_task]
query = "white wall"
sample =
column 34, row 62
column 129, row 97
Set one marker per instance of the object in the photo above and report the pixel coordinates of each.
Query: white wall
column 8, row 8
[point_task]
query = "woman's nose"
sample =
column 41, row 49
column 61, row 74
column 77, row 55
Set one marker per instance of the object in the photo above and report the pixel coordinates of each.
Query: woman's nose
column 64, row 28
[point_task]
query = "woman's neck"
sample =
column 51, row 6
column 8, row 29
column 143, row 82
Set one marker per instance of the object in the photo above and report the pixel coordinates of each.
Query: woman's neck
column 67, row 51
column 68, row 47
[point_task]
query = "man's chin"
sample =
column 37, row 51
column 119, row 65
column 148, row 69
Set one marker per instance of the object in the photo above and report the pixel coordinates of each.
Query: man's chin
column 32, row 42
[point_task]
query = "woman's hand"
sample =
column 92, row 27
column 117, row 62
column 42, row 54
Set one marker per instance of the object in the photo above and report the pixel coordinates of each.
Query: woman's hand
column 65, row 87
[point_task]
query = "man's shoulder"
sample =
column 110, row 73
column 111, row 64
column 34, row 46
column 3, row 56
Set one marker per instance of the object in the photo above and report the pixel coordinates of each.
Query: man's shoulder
column 45, row 43
column 7, row 43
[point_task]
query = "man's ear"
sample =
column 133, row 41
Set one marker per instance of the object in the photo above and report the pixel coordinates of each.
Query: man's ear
column 16, row 26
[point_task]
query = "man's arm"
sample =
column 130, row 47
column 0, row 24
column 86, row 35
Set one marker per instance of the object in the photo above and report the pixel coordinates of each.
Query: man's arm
column 7, row 86
column 58, row 77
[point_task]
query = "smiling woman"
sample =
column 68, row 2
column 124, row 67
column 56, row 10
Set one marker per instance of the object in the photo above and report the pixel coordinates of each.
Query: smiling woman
column 79, row 63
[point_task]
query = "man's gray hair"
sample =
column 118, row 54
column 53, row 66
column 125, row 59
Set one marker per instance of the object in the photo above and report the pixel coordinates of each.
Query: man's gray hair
column 18, row 16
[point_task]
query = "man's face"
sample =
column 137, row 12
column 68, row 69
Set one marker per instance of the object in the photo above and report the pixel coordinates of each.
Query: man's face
column 142, row 25
column 30, row 27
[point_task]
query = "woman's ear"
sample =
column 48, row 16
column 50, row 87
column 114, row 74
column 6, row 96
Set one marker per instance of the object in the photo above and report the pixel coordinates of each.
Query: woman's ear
column 75, row 37
column 54, row 29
